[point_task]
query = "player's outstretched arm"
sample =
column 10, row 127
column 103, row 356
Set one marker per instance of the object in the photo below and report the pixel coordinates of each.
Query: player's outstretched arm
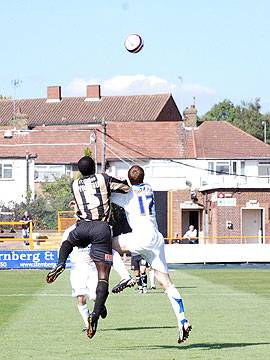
column 116, row 185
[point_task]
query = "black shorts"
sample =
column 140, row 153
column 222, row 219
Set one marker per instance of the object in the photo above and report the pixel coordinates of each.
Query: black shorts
column 97, row 233
column 137, row 261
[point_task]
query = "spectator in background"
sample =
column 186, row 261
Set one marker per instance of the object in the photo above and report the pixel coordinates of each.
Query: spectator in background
column 191, row 235
column 26, row 219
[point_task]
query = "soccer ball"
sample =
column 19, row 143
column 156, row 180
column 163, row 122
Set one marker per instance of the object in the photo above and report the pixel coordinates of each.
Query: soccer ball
column 134, row 43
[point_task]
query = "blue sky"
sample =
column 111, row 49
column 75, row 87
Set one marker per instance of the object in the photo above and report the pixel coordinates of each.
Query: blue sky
column 208, row 49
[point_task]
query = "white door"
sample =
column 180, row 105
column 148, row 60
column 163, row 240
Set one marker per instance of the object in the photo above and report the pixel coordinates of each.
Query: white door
column 252, row 226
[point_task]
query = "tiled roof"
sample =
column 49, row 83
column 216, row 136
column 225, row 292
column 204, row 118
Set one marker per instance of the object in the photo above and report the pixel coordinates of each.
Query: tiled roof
column 65, row 144
column 75, row 110
column 222, row 140
column 55, row 147
column 157, row 140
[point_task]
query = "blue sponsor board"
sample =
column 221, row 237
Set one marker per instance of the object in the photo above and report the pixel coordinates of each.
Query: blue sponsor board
column 28, row 259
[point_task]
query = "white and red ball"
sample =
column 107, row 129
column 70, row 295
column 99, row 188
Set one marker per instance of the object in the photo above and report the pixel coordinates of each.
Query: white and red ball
column 134, row 43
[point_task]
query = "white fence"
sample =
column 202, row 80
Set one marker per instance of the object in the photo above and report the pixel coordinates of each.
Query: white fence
column 220, row 253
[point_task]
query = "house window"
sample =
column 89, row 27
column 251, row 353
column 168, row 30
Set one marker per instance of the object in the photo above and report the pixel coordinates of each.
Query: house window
column 234, row 168
column 51, row 172
column 243, row 168
column 222, row 167
column 264, row 168
column 5, row 171
column 211, row 168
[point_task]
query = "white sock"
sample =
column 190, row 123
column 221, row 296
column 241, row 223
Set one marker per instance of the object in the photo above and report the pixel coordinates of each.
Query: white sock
column 83, row 310
column 152, row 278
column 119, row 266
column 177, row 304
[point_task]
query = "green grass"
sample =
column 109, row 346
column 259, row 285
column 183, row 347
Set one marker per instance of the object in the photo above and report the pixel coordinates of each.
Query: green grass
column 228, row 308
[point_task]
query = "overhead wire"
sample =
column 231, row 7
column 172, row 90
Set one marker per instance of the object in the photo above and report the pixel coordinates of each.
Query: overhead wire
column 120, row 157
column 184, row 164
column 123, row 156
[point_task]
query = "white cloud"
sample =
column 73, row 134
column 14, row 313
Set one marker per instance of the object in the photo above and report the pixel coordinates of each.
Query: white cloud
column 77, row 87
column 136, row 84
column 183, row 93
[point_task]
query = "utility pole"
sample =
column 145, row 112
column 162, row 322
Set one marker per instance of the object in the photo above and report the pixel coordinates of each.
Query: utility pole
column 103, row 160
column 93, row 139
column 28, row 158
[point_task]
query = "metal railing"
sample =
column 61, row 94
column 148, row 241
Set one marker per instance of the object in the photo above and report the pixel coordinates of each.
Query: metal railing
column 15, row 238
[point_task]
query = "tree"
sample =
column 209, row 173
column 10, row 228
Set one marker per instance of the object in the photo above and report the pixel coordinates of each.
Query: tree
column 58, row 193
column 246, row 116
column 225, row 110
column 55, row 197
column 87, row 152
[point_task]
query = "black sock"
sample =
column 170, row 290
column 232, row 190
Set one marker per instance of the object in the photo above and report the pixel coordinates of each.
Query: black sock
column 101, row 296
column 65, row 249
column 144, row 279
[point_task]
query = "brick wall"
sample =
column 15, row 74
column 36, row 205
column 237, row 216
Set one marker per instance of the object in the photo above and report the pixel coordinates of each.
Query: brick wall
column 218, row 215
column 221, row 214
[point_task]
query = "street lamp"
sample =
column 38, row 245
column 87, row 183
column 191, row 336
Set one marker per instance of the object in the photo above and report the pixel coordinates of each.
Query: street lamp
column 264, row 131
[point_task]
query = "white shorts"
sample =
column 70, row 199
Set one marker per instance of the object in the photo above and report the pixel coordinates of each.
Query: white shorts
column 149, row 244
column 84, row 279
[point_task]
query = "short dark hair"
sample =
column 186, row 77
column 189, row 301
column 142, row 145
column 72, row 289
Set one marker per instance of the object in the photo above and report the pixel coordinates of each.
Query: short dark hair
column 86, row 166
column 136, row 175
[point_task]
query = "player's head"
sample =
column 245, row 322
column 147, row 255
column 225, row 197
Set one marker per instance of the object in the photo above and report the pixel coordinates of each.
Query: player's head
column 136, row 175
column 86, row 166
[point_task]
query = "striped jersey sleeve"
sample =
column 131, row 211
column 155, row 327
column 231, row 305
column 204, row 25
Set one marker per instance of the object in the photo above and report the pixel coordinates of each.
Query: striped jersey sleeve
column 116, row 185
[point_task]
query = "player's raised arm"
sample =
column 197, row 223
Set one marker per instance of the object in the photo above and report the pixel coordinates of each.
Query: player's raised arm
column 116, row 185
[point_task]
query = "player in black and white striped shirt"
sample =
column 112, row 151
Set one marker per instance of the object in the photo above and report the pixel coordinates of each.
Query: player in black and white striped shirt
column 92, row 195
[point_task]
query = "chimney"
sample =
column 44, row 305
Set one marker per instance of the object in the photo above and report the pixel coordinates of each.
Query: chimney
column 190, row 116
column 54, row 94
column 21, row 120
column 93, row 93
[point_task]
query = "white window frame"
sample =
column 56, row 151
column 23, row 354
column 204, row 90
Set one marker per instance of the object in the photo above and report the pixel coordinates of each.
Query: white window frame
column 4, row 167
column 264, row 165
column 51, row 172
column 233, row 167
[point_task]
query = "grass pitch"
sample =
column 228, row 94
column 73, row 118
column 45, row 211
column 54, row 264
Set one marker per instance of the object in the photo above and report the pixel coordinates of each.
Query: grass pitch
column 228, row 308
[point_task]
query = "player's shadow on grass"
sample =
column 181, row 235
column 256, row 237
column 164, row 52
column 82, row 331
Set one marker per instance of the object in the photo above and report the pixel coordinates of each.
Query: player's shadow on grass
column 139, row 328
column 208, row 346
